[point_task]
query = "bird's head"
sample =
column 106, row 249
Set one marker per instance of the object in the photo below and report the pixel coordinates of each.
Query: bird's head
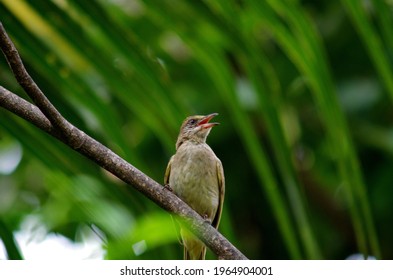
column 195, row 129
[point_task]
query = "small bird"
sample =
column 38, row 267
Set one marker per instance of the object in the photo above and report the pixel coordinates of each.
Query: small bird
column 196, row 176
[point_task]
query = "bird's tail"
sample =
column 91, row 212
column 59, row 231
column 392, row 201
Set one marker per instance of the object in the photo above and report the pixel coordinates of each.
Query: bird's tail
column 195, row 254
column 194, row 249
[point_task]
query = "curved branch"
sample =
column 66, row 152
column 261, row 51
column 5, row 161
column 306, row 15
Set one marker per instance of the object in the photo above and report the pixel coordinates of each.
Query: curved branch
column 24, row 79
column 46, row 117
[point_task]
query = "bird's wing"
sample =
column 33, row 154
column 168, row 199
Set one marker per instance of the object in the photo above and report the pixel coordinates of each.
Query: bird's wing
column 168, row 172
column 166, row 182
column 221, row 189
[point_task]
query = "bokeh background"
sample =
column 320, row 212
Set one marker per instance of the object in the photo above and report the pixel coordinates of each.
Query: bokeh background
column 303, row 88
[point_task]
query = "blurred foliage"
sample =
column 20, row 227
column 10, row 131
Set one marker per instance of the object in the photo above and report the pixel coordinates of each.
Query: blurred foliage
column 304, row 91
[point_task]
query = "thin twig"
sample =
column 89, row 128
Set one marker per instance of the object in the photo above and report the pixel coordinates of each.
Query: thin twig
column 24, row 79
column 46, row 117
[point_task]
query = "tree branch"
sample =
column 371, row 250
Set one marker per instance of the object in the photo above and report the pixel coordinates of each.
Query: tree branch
column 47, row 118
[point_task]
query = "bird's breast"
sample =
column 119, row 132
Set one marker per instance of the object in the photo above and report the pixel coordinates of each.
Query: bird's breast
column 194, row 177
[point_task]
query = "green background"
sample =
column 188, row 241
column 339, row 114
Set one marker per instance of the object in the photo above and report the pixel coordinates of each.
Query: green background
column 304, row 92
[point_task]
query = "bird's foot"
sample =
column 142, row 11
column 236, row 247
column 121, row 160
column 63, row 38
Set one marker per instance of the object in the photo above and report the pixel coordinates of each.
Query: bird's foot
column 206, row 218
column 168, row 187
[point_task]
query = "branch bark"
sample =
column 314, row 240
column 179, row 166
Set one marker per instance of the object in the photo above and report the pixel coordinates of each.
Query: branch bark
column 46, row 117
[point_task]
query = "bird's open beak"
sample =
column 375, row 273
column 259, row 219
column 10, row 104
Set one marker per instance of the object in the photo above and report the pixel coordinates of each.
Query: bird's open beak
column 204, row 123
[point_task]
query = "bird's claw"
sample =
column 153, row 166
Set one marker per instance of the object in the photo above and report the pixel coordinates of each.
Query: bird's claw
column 168, row 187
column 206, row 218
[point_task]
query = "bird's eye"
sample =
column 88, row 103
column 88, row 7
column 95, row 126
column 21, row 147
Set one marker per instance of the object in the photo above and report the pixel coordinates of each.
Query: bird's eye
column 192, row 121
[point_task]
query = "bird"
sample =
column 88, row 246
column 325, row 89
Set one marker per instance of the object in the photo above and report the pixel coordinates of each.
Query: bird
column 196, row 175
